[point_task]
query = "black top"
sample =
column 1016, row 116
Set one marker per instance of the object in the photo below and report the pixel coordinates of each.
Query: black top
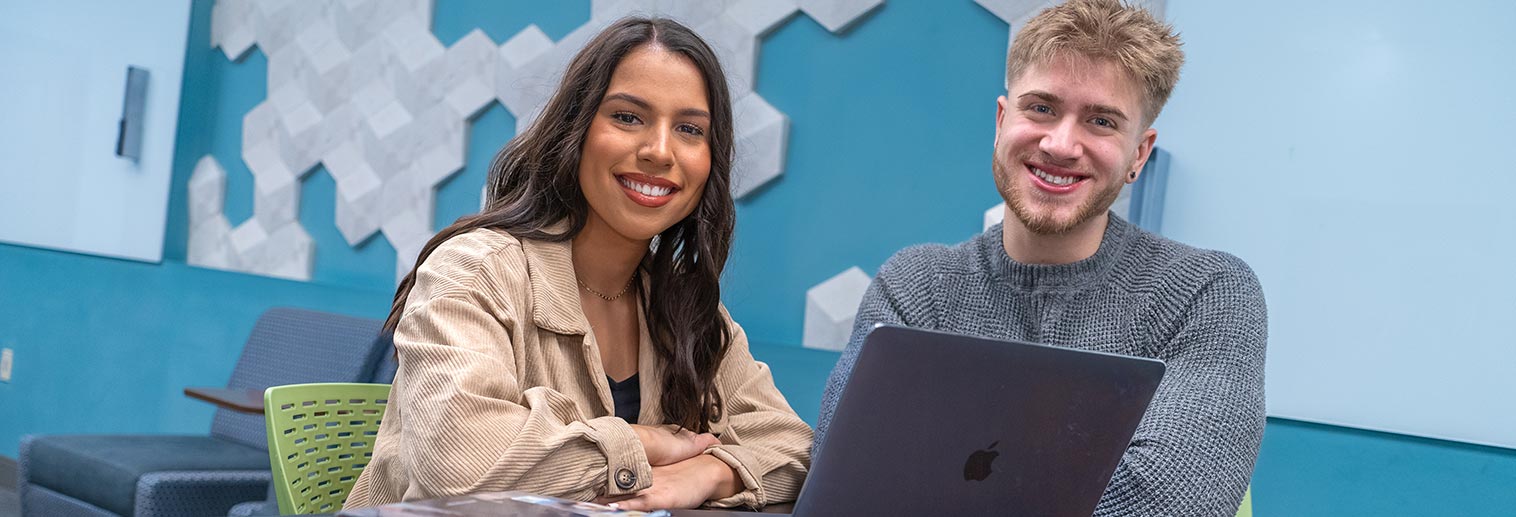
column 628, row 397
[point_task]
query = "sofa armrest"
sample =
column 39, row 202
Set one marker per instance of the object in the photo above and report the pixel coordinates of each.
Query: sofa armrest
column 198, row 493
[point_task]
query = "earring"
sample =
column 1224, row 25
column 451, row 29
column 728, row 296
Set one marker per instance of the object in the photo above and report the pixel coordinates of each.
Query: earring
column 1132, row 175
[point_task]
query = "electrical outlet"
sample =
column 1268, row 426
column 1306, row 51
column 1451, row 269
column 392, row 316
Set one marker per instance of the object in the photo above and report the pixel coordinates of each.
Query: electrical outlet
column 5, row 365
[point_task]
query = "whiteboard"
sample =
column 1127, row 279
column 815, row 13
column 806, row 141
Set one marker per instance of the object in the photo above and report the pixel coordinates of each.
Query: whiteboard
column 1358, row 155
column 64, row 73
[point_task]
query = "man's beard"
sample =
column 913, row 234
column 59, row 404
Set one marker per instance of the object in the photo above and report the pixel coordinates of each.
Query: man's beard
column 1046, row 223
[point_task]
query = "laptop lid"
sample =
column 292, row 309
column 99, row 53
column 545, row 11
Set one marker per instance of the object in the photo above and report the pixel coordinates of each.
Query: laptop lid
column 933, row 423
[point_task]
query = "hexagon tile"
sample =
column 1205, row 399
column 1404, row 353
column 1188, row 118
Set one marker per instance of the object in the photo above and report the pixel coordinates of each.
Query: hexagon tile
column 994, row 215
column 830, row 307
column 284, row 252
column 364, row 87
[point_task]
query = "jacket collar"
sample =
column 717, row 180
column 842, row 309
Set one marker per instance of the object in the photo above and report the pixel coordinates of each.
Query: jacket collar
column 555, row 289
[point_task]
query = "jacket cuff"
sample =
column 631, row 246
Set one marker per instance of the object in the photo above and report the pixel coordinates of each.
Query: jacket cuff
column 627, row 469
column 752, row 494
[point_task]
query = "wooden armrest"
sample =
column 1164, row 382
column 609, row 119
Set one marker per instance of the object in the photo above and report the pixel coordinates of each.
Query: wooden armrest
column 245, row 401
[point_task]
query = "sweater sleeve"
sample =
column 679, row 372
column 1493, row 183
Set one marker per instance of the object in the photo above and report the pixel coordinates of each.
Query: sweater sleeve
column 764, row 441
column 468, row 425
column 1194, row 451
column 883, row 304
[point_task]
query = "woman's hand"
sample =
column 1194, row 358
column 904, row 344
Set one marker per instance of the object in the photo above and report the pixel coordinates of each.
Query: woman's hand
column 669, row 444
column 686, row 484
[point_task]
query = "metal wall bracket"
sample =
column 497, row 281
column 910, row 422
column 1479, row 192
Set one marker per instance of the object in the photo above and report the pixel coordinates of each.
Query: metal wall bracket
column 133, row 109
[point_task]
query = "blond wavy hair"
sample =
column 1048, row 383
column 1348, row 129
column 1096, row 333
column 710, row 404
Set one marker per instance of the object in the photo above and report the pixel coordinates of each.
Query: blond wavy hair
column 1103, row 30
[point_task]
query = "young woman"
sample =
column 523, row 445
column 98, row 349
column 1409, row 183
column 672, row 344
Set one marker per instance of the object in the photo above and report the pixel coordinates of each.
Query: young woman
column 569, row 340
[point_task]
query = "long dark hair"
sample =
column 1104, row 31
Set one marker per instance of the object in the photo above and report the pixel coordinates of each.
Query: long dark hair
column 533, row 183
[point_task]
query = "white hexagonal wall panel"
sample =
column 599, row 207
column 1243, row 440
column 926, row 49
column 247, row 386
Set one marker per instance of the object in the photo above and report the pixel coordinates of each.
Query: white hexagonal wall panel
column 365, row 88
column 994, row 215
column 830, row 307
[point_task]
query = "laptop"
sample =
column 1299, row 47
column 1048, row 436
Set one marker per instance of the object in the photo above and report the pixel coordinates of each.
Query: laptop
column 933, row 423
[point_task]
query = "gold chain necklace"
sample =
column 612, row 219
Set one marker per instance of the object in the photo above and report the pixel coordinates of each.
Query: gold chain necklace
column 618, row 296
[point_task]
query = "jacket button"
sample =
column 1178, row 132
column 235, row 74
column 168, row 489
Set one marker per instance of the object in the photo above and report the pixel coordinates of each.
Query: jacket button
column 626, row 479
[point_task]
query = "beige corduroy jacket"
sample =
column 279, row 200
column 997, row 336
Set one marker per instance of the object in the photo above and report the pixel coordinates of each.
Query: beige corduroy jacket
column 500, row 387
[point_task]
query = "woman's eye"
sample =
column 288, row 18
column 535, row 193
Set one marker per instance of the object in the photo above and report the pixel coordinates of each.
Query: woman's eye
column 691, row 129
column 624, row 118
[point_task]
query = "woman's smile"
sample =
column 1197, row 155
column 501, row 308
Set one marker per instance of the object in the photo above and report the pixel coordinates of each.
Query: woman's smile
column 648, row 191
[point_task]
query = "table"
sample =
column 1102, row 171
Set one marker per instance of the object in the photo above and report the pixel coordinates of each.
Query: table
column 784, row 508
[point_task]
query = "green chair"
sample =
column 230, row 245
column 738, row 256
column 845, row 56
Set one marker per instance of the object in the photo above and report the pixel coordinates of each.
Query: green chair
column 320, row 436
column 1246, row 510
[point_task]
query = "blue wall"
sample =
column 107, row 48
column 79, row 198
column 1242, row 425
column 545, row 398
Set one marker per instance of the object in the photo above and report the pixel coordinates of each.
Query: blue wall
column 899, row 108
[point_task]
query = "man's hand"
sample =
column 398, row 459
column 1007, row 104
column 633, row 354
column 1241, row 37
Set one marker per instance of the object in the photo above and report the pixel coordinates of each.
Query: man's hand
column 686, row 484
column 669, row 444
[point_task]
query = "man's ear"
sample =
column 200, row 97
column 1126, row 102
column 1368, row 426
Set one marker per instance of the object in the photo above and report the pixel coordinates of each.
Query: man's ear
column 1144, row 151
column 1000, row 107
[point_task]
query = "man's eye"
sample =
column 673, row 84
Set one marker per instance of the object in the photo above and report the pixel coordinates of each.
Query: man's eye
column 1040, row 108
column 1103, row 122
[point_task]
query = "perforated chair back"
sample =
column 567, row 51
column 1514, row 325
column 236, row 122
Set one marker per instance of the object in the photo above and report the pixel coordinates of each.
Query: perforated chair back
column 320, row 437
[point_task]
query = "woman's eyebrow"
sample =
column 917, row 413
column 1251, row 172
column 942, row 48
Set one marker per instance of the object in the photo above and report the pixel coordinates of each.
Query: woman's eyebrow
column 641, row 103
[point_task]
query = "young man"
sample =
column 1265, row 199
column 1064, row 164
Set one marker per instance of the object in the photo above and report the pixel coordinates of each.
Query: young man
column 1085, row 81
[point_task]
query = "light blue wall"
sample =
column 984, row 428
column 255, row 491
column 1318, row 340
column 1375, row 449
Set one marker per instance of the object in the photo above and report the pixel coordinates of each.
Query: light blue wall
column 891, row 133
column 1353, row 153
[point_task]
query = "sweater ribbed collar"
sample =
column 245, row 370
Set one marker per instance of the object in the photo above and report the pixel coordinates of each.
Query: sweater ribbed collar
column 1039, row 277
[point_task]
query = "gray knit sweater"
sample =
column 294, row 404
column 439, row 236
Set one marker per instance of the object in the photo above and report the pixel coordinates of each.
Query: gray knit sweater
column 1200, row 311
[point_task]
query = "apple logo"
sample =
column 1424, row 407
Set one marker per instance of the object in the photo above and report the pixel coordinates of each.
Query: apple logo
column 978, row 467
